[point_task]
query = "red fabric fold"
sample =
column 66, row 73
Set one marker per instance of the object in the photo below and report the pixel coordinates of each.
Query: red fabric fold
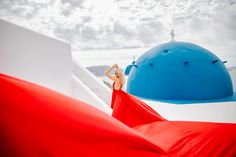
column 36, row 121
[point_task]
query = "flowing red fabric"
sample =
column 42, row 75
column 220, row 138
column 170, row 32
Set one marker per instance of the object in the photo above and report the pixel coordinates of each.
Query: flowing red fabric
column 38, row 122
column 192, row 139
column 131, row 110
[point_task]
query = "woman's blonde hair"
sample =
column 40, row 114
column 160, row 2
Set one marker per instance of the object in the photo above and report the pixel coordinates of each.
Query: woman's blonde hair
column 121, row 75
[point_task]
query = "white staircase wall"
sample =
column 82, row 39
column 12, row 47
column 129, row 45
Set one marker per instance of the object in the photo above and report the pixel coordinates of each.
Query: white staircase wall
column 92, row 82
column 83, row 93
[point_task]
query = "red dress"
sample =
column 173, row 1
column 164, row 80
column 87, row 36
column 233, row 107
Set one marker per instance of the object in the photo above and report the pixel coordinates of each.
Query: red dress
column 138, row 112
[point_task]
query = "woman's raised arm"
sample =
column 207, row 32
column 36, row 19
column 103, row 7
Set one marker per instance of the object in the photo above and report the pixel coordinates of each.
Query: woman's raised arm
column 107, row 72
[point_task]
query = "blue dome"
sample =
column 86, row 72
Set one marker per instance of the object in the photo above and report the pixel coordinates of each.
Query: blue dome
column 179, row 71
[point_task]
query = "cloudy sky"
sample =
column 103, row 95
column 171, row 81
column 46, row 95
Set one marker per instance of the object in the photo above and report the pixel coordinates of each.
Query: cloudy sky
column 112, row 24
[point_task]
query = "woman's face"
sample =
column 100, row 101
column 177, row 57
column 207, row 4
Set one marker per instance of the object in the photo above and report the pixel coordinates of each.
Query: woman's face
column 117, row 73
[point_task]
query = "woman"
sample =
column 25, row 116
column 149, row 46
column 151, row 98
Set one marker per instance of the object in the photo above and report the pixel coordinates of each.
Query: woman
column 118, row 79
column 127, row 108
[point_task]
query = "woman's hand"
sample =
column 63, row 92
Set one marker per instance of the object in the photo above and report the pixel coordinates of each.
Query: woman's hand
column 114, row 66
column 107, row 72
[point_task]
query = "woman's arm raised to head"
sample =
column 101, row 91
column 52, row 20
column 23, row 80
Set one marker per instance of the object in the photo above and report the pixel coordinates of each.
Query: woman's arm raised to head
column 107, row 72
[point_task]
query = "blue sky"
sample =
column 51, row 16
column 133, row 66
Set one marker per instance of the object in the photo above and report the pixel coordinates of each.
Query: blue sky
column 113, row 24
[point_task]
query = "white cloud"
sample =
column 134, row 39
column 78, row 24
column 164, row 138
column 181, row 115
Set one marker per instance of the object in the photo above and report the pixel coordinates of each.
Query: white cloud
column 128, row 23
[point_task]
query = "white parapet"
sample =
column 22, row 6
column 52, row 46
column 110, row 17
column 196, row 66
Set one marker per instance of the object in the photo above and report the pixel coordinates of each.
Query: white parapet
column 209, row 112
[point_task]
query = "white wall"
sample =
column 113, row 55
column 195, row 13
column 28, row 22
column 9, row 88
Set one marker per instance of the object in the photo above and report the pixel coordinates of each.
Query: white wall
column 35, row 57
column 92, row 82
